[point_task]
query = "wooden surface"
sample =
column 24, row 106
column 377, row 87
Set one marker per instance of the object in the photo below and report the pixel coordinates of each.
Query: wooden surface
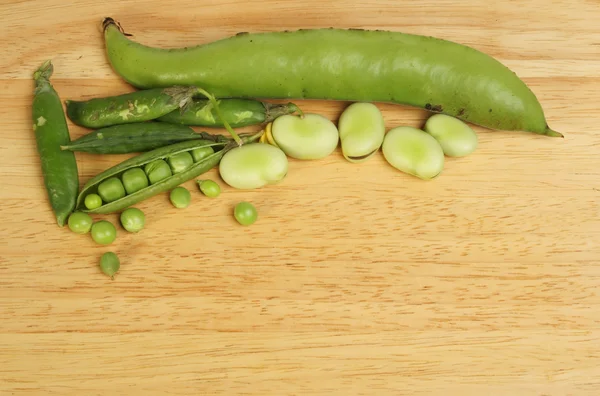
column 357, row 279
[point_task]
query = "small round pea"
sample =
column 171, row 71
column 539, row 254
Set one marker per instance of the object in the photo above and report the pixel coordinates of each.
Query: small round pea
column 111, row 189
column 201, row 153
column 209, row 188
column 456, row 137
column 133, row 219
column 134, row 180
column 80, row 222
column 157, row 171
column 180, row 197
column 104, row 232
column 110, row 264
column 92, row 201
column 180, row 162
column 245, row 213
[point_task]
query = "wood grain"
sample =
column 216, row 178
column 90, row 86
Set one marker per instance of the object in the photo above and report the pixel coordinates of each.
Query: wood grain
column 357, row 279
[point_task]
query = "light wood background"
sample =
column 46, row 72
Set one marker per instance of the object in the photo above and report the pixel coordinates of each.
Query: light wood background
column 357, row 279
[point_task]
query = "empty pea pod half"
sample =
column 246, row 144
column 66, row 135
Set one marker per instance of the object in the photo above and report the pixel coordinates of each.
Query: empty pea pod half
column 150, row 173
column 136, row 137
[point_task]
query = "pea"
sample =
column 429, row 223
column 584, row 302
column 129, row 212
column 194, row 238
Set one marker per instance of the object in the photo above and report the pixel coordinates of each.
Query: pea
column 180, row 162
column 80, row 222
column 134, row 179
column 92, row 201
column 157, row 170
column 104, row 232
column 413, row 151
column 456, row 138
column 180, row 197
column 110, row 264
column 201, row 152
column 209, row 188
column 245, row 213
column 253, row 165
column 133, row 219
column 111, row 189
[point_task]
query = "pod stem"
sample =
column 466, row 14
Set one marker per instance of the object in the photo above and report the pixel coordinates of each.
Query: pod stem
column 215, row 104
column 42, row 75
column 108, row 21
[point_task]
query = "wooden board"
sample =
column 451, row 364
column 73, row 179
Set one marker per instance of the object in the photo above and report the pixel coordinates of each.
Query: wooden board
column 357, row 279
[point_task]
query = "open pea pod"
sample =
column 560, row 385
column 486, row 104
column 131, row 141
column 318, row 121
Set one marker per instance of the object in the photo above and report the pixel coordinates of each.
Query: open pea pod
column 198, row 167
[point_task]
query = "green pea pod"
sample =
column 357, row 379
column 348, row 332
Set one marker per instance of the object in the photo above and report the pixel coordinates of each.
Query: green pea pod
column 137, row 137
column 238, row 112
column 144, row 105
column 59, row 168
column 140, row 161
column 340, row 64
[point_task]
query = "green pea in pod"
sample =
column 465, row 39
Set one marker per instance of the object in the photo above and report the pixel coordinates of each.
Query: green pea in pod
column 157, row 181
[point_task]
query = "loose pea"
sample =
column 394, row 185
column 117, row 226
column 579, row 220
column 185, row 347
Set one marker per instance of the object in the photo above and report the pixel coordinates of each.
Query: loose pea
column 80, row 222
column 104, row 232
column 209, row 188
column 157, row 170
column 111, row 189
column 180, row 162
column 413, row 151
column 245, row 213
column 133, row 219
column 110, row 264
column 201, row 152
column 180, row 197
column 92, row 201
column 134, row 179
column 456, row 137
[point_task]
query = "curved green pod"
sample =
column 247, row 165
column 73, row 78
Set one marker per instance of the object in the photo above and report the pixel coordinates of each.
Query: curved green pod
column 340, row 64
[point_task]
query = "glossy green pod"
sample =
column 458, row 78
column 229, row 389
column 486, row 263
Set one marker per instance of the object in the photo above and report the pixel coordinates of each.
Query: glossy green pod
column 340, row 64
column 59, row 168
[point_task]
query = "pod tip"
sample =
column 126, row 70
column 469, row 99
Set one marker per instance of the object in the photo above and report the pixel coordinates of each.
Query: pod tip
column 552, row 133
